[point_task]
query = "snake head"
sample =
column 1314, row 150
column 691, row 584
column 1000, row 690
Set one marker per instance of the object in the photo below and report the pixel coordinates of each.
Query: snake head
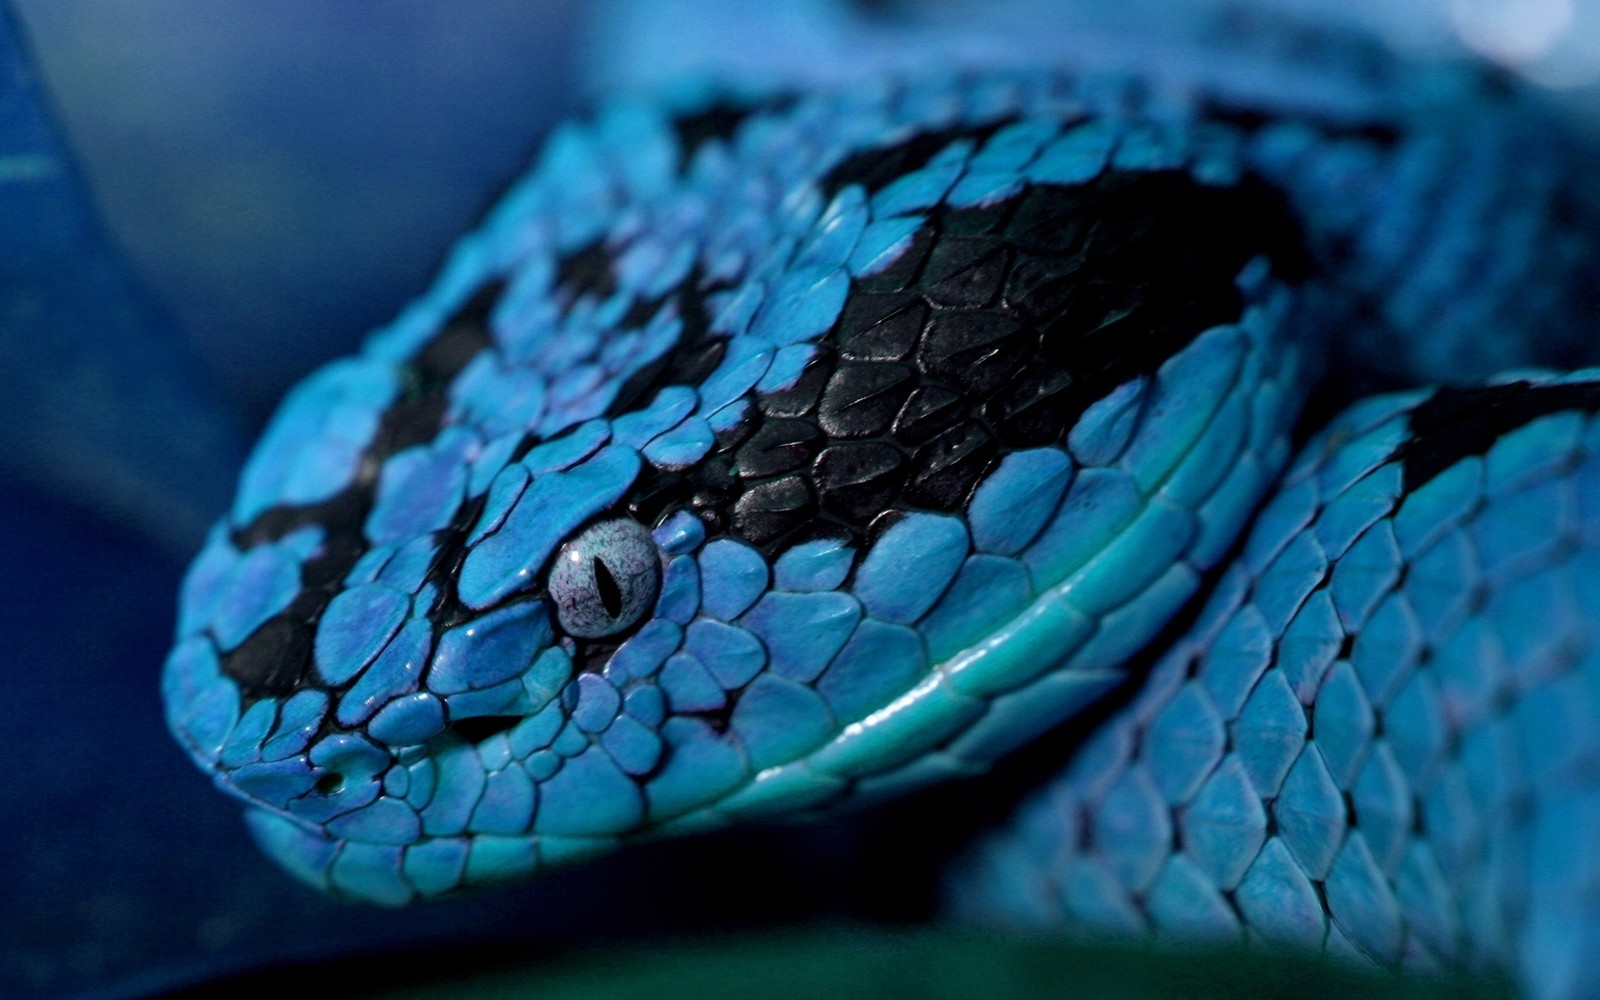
column 741, row 464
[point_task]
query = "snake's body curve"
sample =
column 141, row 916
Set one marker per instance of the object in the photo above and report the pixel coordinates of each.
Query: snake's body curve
column 764, row 453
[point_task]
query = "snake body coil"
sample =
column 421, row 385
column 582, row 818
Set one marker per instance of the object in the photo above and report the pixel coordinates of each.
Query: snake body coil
column 758, row 456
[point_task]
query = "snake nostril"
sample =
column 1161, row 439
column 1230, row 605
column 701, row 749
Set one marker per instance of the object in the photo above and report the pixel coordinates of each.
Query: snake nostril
column 330, row 783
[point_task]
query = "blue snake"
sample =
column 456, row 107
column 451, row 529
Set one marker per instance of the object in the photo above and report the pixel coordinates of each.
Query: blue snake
column 767, row 452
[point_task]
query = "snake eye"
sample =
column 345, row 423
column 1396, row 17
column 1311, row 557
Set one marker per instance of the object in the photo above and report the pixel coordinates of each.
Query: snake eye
column 605, row 579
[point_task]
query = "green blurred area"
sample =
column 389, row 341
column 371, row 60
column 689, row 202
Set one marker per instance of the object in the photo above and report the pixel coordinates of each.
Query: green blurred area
column 865, row 962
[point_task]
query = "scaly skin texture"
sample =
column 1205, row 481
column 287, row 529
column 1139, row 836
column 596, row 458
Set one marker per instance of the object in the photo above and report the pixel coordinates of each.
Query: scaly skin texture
column 1375, row 740
column 760, row 456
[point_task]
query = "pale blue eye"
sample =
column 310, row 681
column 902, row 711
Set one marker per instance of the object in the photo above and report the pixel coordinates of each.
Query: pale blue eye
column 605, row 579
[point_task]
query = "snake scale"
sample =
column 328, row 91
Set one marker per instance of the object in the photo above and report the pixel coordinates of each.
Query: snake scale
column 767, row 451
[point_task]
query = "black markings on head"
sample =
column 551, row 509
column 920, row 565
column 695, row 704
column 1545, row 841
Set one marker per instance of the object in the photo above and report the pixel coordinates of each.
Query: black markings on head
column 690, row 361
column 993, row 332
column 416, row 417
column 275, row 660
column 719, row 122
column 413, row 418
column 588, row 270
column 877, row 168
column 1454, row 424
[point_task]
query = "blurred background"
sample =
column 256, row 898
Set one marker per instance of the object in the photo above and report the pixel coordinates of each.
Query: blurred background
column 273, row 181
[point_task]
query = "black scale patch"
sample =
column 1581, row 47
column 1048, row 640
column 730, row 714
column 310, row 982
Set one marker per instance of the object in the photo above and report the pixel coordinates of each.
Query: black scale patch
column 992, row 333
column 875, row 169
column 587, row 271
column 1454, row 424
column 720, row 120
column 275, row 659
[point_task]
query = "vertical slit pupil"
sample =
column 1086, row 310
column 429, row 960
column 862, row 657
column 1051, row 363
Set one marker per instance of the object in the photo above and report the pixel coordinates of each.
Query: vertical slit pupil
column 610, row 590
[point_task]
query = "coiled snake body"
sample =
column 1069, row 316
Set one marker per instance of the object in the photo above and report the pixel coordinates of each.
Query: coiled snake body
column 765, row 453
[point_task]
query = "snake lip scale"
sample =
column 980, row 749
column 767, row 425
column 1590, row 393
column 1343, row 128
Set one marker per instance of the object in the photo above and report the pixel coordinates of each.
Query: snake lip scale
column 766, row 454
